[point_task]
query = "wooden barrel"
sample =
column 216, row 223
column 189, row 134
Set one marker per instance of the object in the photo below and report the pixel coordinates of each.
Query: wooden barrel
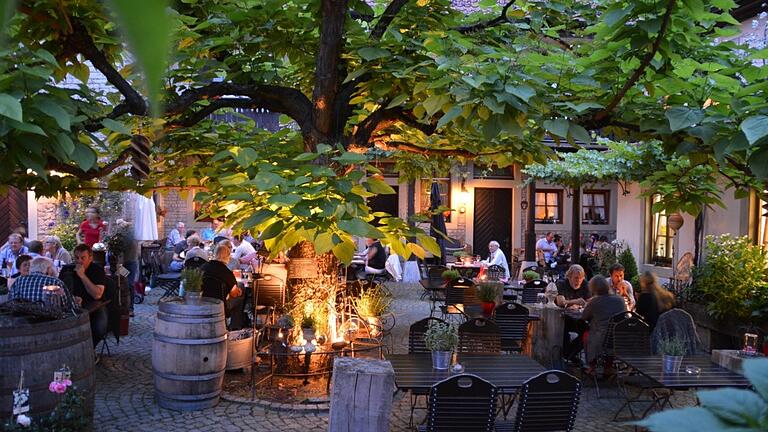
column 189, row 353
column 39, row 348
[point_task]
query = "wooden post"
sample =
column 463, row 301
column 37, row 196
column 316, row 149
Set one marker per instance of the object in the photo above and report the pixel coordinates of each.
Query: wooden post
column 361, row 399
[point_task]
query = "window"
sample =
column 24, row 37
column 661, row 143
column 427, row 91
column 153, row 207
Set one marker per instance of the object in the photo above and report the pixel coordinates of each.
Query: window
column 445, row 193
column 661, row 237
column 549, row 207
column 594, row 207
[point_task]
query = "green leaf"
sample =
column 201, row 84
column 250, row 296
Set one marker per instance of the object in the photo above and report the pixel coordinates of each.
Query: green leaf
column 616, row 15
column 354, row 75
column 558, row 126
column 373, row 53
column 756, row 371
column 755, row 128
column 29, row 127
column 378, row 186
column 359, row 227
column 116, row 126
column 734, row 405
column 147, row 27
column 582, row 107
column 84, row 156
column 47, row 56
column 7, row 9
column 323, row 148
column 524, row 92
column 579, row 133
column 246, row 156
column 429, row 243
column 452, row 113
column 416, row 250
column 758, row 162
column 434, row 103
column 10, row 107
column 304, row 157
column 273, row 230
column 323, row 242
column 285, row 200
column 257, row 219
column 345, row 250
column 55, row 111
column 398, row 100
column 690, row 419
column 266, row 180
column 235, row 179
column 348, row 158
column 683, row 117
column 65, row 146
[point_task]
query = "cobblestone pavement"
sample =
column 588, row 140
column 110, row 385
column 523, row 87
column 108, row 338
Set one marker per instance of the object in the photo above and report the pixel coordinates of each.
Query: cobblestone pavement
column 125, row 393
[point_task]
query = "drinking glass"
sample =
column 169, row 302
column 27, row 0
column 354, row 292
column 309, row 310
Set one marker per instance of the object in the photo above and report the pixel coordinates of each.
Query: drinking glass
column 750, row 344
column 541, row 298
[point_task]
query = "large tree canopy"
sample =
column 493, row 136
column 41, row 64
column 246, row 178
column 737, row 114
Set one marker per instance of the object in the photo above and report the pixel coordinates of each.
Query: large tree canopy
column 422, row 80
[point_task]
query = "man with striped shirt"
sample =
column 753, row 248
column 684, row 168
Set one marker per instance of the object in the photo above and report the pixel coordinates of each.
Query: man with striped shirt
column 30, row 287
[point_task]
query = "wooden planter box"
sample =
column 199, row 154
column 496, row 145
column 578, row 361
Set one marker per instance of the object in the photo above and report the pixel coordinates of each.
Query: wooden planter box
column 717, row 334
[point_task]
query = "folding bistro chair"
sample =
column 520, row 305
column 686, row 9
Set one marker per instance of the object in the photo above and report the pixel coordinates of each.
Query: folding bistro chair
column 416, row 345
column 169, row 281
column 434, row 285
column 461, row 403
column 479, row 336
column 268, row 295
column 458, row 296
column 494, row 273
column 547, row 402
column 512, row 319
column 532, row 289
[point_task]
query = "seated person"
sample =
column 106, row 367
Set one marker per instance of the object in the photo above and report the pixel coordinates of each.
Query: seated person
column 573, row 292
column 654, row 300
column 244, row 251
column 87, row 281
column 621, row 287
column 22, row 263
column 10, row 253
column 35, row 248
column 376, row 257
column 182, row 245
column 219, row 282
column 496, row 257
column 41, row 274
column 599, row 310
column 194, row 250
column 55, row 251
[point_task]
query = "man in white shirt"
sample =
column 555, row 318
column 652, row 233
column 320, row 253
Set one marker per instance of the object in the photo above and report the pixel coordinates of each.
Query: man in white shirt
column 175, row 236
column 497, row 257
column 242, row 249
column 547, row 247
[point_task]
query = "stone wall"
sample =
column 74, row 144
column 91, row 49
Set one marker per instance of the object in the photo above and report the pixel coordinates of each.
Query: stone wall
column 47, row 214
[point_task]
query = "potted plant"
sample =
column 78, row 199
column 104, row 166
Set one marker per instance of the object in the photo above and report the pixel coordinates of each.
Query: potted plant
column 451, row 275
column 531, row 275
column 672, row 350
column 192, row 285
column 308, row 324
column 441, row 339
column 371, row 305
column 487, row 293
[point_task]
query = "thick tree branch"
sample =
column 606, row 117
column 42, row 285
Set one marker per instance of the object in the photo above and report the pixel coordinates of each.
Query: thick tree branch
column 193, row 118
column 284, row 100
column 501, row 19
column 386, row 18
column 605, row 112
column 384, row 118
column 411, row 148
column 333, row 13
column 81, row 41
column 92, row 173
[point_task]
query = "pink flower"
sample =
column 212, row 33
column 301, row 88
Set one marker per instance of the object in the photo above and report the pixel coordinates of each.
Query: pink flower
column 66, row 382
column 57, row 387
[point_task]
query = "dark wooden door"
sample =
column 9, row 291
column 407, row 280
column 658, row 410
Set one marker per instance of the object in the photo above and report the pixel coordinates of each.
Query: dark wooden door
column 13, row 207
column 493, row 220
column 385, row 203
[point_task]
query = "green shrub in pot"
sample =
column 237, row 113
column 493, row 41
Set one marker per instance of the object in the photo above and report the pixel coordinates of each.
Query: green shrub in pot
column 451, row 275
column 488, row 292
column 441, row 337
column 373, row 302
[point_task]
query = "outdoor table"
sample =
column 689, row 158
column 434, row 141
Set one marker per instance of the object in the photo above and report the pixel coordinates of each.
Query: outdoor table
column 711, row 376
column 414, row 372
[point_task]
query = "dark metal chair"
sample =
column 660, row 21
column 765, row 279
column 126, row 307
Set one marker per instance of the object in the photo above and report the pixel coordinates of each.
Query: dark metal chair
column 458, row 296
column 532, row 289
column 416, row 345
column 268, row 295
column 494, row 273
column 434, row 285
column 195, row 262
column 465, row 403
column 479, row 336
column 547, row 402
column 169, row 281
column 512, row 319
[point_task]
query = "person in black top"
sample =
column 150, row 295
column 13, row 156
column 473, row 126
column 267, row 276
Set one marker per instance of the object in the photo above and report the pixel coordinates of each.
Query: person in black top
column 573, row 291
column 376, row 257
column 654, row 300
column 86, row 281
column 220, row 283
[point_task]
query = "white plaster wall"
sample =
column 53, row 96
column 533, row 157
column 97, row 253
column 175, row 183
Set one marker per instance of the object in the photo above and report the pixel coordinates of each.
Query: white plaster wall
column 630, row 220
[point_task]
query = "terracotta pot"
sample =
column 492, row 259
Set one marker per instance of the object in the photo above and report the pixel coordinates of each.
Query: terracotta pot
column 488, row 308
column 675, row 221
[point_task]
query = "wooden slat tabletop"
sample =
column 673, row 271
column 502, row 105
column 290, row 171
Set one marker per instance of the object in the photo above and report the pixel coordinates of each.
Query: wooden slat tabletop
column 712, row 375
column 415, row 372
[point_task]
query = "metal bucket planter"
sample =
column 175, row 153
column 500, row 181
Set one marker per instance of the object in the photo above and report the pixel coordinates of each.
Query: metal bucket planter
column 441, row 360
column 239, row 349
column 672, row 363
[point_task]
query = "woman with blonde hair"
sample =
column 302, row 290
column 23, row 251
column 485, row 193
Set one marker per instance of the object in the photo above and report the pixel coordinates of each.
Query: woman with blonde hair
column 55, row 251
column 654, row 300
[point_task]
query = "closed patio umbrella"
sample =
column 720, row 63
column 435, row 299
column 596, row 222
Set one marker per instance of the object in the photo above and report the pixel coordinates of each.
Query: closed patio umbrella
column 438, row 220
column 145, row 225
